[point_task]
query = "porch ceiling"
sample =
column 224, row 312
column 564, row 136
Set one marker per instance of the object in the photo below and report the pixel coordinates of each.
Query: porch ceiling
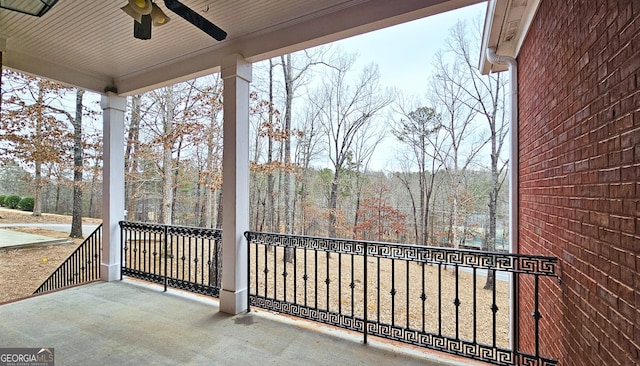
column 91, row 44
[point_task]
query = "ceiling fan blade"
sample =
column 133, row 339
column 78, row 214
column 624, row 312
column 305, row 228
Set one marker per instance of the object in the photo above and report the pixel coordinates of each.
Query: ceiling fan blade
column 196, row 19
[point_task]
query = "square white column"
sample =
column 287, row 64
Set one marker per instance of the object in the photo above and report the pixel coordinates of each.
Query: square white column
column 113, row 109
column 236, row 73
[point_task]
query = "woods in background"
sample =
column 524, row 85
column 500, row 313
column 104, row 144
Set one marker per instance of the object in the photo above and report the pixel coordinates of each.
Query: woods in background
column 320, row 128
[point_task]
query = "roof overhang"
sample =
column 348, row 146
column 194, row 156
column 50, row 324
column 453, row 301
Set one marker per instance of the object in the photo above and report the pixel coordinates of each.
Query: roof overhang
column 92, row 46
column 505, row 28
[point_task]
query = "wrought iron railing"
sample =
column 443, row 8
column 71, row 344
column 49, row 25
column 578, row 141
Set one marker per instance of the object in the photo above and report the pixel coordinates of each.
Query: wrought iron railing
column 187, row 258
column 82, row 266
column 426, row 296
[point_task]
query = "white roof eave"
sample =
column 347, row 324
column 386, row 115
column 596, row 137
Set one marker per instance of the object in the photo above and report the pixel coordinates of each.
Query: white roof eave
column 505, row 28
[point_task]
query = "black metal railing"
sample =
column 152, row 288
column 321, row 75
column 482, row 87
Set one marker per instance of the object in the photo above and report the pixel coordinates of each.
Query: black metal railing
column 82, row 266
column 426, row 296
column 187, row 258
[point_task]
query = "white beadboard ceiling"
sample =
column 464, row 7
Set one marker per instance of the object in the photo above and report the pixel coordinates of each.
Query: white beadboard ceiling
column 90, row 44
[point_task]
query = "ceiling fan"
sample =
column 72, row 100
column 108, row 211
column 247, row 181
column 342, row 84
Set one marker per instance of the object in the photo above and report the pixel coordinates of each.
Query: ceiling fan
column 147, row 13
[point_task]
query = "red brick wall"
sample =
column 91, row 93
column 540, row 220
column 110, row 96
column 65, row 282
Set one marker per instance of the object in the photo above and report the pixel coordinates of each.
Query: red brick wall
column 579, row 109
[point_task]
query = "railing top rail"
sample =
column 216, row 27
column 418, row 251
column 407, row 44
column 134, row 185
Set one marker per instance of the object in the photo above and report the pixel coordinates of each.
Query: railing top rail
column 509, row 262
column 189, row 231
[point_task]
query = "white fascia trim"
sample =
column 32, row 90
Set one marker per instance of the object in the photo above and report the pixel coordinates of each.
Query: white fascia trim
column 498, row 23
column 71, row 76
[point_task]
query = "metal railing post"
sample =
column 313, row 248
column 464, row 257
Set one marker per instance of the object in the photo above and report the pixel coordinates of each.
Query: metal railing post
column 122, row 241
column 248, row 271
column 366, row 292
column 166, row 235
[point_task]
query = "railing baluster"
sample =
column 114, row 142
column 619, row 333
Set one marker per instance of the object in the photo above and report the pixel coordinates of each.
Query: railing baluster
column 366, row 294
column 423, row 297
column 256, row 273
column 393, row 292
column 494, row 307
column 275, row 272
column 536, row 315
column 306, row 277
column 440, row 299
column 165, row 244
column 407, row 293
column 340, row 283
column 315, row 278
column 202, row 259
column 188, row 257
column 327, row 280
column 266, row 271
column 378, row 290
column 353, row 285
column 295, row 273
column 284, row 273
column 456, row 301
column 248, row 272
column 475, row 299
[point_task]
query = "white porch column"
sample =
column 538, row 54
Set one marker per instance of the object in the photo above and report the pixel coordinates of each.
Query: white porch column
column 236, row 73
column 113, row 108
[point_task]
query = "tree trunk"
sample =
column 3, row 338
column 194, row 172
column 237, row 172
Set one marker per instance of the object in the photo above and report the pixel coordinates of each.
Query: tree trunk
column 288, row 83
column 76, row 220
column 167, row 163
column 37, row 195
column 37, row 204
column 176, row 172
column 131, row 159
column 270, row 209
column 333, row 205
column 208, row 189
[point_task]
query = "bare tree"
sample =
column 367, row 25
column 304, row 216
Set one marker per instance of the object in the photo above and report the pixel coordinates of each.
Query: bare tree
column 364, row 145
column 295, row 71
column 487, row 97
column 347, row 108
column 131, row 158
column 76, row 220
column 420, row 131
column 457, row 111
column 213, row 173
column 167, row 154
column 307, row 150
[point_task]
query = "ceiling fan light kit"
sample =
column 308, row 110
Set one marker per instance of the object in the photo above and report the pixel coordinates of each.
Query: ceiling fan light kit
column 158, row 17
column 147, row 14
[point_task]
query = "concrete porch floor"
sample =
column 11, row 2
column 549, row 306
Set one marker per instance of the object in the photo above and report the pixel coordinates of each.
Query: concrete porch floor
column 130, row 323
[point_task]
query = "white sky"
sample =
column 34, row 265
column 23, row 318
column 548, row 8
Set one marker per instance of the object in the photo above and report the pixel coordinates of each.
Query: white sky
column 404, row 55
column 404, row 52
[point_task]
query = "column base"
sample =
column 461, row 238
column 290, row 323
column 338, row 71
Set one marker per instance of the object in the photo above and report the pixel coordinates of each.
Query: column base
column 233, row 302
column 110, row 272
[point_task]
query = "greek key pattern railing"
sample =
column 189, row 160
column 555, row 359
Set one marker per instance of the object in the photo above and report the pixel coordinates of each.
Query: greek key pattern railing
column 82, row 266
column 425, row 296
column 186, row 258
